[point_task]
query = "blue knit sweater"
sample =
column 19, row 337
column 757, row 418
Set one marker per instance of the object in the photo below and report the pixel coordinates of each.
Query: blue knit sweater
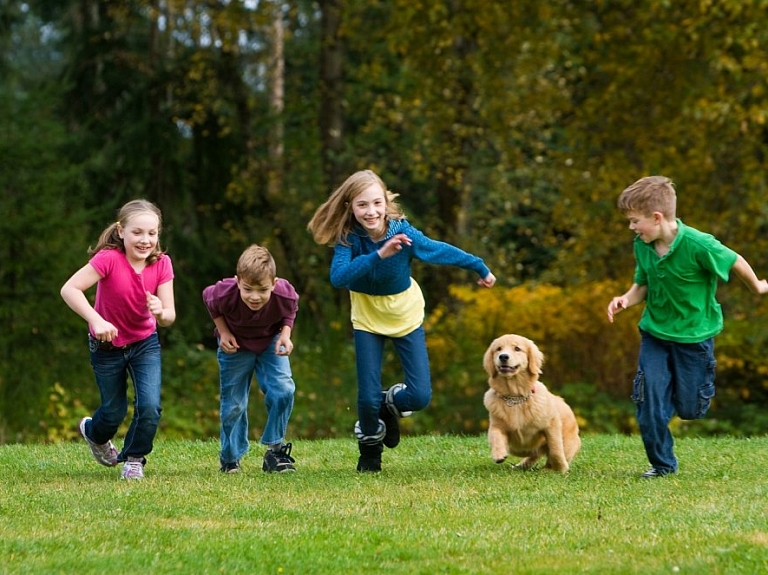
column 359, row 268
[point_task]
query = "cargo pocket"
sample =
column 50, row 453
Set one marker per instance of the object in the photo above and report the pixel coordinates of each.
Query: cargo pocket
column 706, row 391
column 638, row 388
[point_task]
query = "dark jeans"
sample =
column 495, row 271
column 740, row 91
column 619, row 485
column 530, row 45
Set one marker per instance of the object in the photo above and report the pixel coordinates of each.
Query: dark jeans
column 140, row 360
column 369, row 353
column 672, row 378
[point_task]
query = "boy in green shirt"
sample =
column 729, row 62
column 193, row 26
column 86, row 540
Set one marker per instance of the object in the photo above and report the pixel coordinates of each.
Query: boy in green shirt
column 676, row 274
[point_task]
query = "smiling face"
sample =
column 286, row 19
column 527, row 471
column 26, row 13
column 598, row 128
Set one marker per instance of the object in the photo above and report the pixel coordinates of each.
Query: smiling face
column 256, row 294
column 512, row 355
column 140, row 235
column 369, row 208
column 647, row 228
column 510, row 358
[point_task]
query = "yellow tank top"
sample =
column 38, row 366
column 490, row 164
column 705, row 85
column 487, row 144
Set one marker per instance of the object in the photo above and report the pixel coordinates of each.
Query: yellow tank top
column 390, row 315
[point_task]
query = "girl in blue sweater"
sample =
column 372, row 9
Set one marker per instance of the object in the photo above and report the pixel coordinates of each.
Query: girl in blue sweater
column 373, row 248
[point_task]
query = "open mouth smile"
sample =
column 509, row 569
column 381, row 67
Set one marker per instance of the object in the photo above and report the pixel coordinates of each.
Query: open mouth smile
column 508, row 369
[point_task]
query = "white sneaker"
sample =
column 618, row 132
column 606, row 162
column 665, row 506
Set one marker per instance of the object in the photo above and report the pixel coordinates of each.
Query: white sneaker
column 133, row 468
column 105, row 453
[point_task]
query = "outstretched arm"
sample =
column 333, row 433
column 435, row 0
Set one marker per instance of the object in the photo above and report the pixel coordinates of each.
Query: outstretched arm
column 746, row 274
column 634, row 295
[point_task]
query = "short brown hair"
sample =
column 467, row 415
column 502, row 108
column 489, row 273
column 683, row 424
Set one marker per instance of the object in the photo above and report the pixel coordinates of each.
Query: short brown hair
column 256, row 264
column 648, row 195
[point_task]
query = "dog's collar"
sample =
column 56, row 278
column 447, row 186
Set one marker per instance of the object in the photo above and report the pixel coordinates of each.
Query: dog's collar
column 512, row 400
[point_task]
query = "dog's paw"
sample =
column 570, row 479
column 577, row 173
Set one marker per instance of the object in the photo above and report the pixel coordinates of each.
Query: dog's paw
column 502, row 460
column 561, row 466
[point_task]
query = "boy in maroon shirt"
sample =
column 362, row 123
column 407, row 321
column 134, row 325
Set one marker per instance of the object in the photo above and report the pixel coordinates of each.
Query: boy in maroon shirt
column 254, row 314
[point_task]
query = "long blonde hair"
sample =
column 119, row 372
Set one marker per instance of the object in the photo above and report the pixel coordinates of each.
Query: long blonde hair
column 334, row 219
column 110, row 238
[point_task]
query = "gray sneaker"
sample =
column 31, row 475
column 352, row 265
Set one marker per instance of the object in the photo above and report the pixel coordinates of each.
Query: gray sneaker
column 133, row 468
column 106, row 453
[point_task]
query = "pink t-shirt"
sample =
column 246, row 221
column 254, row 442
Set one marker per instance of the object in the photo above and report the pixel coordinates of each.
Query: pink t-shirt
column 121, row 297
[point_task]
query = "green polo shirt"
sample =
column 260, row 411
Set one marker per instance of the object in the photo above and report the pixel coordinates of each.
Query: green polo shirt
column 681, row 304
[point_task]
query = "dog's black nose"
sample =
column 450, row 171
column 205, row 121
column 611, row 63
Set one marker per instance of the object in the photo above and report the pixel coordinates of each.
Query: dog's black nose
column 504, row 358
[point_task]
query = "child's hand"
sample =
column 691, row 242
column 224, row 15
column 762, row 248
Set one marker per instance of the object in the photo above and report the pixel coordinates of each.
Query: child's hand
column 618, row 304
column 283, row 346
column 228, row 343
column 487, row 281
column 762, row 286
column 394, row 245
column 103, row 330
column 155, row 306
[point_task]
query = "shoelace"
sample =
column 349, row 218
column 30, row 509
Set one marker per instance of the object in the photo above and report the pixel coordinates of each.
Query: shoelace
column 283, row 456
column 285, row 453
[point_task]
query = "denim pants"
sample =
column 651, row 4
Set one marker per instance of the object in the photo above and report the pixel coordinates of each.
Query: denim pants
column 369, row 354
column 140, row 360
column 672, row 378
column 275, row 379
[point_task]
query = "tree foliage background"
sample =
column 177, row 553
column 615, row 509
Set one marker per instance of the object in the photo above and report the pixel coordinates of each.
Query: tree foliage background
column 509, row 128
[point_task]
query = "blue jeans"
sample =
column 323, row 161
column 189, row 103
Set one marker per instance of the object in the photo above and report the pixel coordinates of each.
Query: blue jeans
column 140, row 360
column 275, row 380
column 672, row 378
column 369, row 354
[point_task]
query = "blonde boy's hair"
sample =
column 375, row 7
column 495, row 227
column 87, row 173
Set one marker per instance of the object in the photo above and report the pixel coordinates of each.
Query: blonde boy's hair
column 648, row 195
column 255, row 265
column 334, row 219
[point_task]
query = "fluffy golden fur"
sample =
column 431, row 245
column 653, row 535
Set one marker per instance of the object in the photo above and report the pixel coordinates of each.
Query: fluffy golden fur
column 525, row 419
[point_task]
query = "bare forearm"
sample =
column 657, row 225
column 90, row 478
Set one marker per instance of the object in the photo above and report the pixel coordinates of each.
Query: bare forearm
column 166, row 317
column 747, row 275
column 78, row 303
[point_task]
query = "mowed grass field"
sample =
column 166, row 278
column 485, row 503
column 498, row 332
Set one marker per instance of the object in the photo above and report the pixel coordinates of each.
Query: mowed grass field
column 439, row 506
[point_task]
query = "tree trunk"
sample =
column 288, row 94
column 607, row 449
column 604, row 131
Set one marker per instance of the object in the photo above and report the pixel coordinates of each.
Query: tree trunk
column 331, row 90
column 276, row 101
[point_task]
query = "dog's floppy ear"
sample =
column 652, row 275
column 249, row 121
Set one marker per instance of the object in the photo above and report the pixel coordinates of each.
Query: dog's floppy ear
column 535, row 359
column 488, row 363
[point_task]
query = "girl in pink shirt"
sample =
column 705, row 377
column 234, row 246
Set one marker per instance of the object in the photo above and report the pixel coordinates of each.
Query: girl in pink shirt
column 134, row 294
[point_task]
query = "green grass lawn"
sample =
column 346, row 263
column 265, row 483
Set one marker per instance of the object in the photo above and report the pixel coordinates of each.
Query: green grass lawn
column 440, row 506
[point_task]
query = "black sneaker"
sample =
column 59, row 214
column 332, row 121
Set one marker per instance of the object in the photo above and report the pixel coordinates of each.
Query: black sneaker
column 230, row 467
column 370, row 457
column 279, row 461
column 391, row 423
column 652, row 473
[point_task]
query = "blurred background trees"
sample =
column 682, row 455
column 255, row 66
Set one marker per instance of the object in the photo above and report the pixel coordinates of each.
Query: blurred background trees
column 509, row 128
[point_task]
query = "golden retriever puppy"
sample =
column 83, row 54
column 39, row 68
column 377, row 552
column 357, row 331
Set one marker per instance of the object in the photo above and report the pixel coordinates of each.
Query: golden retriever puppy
column 525, row 419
